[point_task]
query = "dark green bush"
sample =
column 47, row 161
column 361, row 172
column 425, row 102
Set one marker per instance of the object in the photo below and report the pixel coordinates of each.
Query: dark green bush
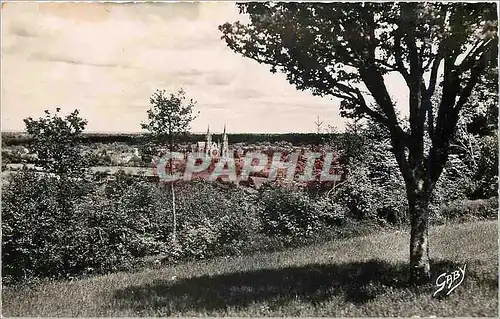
column 115, row 234
column 466, row 210
column 291, row 215
column 374, row 188
column 59, row 227
column 212, row 219
column 486, row 176
column 40, row 227
column 31, row 220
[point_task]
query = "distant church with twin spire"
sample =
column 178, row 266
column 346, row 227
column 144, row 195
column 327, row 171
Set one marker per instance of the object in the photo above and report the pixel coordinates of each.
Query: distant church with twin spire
column 212, row 148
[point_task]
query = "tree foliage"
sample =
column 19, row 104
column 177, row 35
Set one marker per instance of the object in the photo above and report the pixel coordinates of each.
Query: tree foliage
column 55, row 141
column 344, row 50
column 171, row 115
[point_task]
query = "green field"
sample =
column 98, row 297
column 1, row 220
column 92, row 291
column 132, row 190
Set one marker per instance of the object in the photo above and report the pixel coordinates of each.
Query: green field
column 363, row 276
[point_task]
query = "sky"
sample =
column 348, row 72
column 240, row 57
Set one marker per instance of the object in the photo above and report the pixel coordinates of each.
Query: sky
column 106, row 59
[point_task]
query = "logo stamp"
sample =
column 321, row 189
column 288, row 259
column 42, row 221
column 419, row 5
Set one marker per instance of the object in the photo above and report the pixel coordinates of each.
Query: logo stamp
column 449, row 281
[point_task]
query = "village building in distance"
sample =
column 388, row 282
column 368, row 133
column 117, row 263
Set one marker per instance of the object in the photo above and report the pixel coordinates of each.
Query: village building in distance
column 211, row 148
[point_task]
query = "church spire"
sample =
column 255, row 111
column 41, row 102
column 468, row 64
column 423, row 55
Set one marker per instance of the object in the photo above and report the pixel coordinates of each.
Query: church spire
column 225, row 143
column 208, row 142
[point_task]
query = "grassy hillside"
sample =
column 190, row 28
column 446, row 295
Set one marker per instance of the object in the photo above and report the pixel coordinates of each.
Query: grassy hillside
column 357, row 277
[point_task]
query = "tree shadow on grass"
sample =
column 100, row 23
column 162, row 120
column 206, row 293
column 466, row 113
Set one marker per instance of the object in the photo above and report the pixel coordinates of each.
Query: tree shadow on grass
column 357, row 282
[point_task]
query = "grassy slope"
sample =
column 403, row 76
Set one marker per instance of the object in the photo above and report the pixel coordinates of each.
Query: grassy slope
column 357, row 277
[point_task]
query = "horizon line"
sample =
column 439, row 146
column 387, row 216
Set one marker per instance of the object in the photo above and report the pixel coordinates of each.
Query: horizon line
column 197, row 133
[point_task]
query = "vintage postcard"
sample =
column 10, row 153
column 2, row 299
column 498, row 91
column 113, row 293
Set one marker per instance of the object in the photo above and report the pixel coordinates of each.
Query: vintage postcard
column 249, row 159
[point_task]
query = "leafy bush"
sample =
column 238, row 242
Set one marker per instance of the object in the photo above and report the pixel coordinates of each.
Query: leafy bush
column 59, row 227
column 374, row 188
column 40, row 226
column 115, row 234
column 213, row 219
column 465, row 210
column 291, row 215
column 455, row 182
column 53, row 227
column 31, row 220
column 486, row 175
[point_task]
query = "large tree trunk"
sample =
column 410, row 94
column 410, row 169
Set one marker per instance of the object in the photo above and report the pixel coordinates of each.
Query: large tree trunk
column 419, row 186
column 418, row 200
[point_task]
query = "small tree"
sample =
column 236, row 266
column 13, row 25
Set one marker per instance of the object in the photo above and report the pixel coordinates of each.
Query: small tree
column 55, row 142
column 169, row 117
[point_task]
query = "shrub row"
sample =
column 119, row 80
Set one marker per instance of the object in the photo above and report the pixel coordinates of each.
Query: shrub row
column 53, row 227
column 62, row 228
column 467, row 210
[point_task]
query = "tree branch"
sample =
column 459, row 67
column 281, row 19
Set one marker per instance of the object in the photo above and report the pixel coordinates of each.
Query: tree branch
column 398, row 55
column 476, row 72
column 434, row 70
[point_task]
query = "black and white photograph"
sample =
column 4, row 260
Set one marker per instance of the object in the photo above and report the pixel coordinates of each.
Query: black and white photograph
column 249, row 159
